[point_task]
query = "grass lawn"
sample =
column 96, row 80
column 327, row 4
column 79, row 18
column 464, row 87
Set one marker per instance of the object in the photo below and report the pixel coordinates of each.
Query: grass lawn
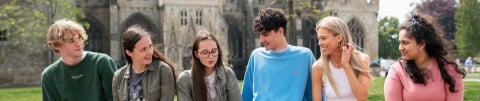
column 375, row 92
column 472, row 92
column 21, row 94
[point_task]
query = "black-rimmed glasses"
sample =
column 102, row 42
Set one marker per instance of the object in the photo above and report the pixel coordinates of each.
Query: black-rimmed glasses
column 213, row 53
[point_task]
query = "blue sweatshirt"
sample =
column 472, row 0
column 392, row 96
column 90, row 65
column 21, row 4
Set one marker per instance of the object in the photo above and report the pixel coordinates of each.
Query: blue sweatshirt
column 278, row 76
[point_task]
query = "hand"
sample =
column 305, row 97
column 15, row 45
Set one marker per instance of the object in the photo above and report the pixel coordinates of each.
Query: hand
column 347, row 51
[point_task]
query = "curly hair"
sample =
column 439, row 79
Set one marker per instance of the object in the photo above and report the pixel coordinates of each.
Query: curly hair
column 270, row 19
column 63, row 30
column 424, row 29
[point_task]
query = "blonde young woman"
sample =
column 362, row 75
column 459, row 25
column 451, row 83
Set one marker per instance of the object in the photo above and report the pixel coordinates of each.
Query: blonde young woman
column 342, row 72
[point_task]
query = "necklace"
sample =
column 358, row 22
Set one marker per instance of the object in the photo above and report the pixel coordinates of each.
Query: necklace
column 336, row 65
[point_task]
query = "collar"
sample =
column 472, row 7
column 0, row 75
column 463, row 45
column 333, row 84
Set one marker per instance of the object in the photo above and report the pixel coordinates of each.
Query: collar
column 150, row 68
column 220, row 72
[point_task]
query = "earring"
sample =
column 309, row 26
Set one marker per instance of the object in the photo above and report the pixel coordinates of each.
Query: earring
column 339, row 44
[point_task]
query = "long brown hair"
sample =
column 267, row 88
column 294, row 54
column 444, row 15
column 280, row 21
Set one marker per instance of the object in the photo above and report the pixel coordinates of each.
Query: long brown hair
column 198, row 69
column 132, row 35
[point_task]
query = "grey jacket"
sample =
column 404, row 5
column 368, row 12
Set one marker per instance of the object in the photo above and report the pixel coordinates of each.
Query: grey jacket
column 226, row 85
column 157, row 83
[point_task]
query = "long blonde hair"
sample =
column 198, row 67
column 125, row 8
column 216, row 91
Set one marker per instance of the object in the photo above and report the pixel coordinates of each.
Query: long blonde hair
column 337, row 26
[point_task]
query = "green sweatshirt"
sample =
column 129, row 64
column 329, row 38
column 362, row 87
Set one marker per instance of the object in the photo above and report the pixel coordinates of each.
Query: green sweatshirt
column 89, row 80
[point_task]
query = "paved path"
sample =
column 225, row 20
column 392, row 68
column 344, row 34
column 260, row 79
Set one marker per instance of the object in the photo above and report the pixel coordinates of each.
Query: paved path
column 475, row 80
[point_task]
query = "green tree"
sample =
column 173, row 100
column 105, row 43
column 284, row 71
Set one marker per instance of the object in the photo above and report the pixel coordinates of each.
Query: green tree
column 307, row 11
column 468, row 28
column 27, row 21
column 387, row 37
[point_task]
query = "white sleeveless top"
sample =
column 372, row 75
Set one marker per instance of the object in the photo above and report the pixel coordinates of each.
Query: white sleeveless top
column 343, row 86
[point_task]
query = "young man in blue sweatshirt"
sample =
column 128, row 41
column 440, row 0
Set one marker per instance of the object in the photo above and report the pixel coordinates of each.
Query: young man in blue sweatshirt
column 278, row 71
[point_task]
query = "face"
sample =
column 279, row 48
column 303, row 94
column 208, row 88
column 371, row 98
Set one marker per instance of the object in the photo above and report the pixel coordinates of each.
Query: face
column 271, row 39
column 327, row 42
column 408, row 46
column 142, row 52
column 207, row 53
column 72, row 47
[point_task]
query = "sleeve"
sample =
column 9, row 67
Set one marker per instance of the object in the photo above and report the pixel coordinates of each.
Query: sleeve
column 247, row 91
column 183, row 88
column 115, row 87
column 46, row 90
column 308, row 88
column 458, row 95
column 107, row 72
column 393, row 86
column 167, row 84
column 232, row 85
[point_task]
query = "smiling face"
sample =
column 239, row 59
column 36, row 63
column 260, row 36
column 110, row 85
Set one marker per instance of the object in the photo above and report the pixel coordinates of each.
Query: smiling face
column 207, row 53
column 271, row 40
column 142, row 52
column 328, row 42
column 408, row 46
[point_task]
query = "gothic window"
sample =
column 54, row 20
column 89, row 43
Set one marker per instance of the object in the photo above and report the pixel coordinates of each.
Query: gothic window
column 333, row 13
column 96, row 39
column 183, row 17
column 357, row 33
column 261, row 1
column 255, row 11
column 198, row 19
column 3, row 35
column 187, row 57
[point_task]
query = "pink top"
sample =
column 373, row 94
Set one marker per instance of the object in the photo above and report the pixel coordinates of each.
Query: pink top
column 400, row 87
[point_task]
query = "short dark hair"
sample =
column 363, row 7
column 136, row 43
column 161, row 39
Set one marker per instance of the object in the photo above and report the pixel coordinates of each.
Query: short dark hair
column 270, row 19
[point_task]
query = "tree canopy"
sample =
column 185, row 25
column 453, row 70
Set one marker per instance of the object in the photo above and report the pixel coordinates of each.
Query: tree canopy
column 388, row 38
column 468, row 28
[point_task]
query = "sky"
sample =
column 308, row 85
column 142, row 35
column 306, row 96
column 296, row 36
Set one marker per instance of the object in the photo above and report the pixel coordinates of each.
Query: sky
column 395, row 8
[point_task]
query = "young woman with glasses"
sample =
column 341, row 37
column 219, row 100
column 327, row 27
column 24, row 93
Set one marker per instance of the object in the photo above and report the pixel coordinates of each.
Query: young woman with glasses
column 209, row 79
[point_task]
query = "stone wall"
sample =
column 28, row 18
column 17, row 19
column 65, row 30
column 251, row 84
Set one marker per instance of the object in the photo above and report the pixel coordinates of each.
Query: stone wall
column 363, row 12
column 21, row 67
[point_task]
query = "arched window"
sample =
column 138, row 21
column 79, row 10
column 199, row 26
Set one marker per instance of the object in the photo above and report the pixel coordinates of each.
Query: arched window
column 358, row 35
column 3, row 35
column 97, row 40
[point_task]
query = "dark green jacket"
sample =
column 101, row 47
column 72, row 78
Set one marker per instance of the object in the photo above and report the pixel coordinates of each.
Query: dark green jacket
column 157, row 83
column 226, row 85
